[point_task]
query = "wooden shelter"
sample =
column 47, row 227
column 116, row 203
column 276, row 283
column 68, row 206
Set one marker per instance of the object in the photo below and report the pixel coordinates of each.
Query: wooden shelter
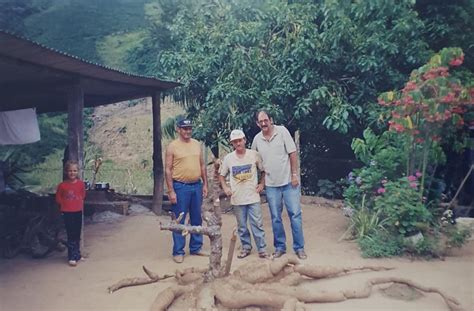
column 35, row 76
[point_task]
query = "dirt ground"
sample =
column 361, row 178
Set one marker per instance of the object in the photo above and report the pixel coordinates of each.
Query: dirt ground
column 117, row 248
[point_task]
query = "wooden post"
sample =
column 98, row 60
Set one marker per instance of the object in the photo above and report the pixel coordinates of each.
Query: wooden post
column 298, row 153
column 75, row 108
column 157, row 156
column 75, row 133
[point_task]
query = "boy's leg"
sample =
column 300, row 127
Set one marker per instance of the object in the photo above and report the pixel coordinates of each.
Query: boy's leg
column 69, row 232
column 256, row 224
column 195, row 217
column 77, row 227
column 241, row 212
column 73, row 225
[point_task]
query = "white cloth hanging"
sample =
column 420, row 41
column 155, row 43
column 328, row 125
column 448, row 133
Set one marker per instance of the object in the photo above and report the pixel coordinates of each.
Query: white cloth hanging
column 19, row 127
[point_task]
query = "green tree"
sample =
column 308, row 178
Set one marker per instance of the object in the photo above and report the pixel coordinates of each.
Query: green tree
column 449, row 23
column 319, row 61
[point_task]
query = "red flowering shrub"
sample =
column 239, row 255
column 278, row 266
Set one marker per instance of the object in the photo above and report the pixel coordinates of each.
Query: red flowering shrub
column 430, row 108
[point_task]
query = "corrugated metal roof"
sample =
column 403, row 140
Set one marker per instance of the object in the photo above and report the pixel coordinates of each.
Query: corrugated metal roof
column 28, row 67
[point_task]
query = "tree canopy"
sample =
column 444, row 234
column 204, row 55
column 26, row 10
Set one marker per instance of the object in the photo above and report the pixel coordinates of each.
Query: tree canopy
column 315, row 65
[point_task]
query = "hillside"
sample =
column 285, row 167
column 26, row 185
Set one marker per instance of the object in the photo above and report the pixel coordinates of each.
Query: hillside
column 124, row 133
column 82, row 28
column 122, row 137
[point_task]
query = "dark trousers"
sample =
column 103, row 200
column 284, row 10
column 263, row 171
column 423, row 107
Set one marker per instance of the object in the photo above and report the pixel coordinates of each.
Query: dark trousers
column 73, row 224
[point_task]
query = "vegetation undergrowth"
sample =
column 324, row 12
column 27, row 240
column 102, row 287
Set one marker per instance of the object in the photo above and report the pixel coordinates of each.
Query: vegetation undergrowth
column 396, row 204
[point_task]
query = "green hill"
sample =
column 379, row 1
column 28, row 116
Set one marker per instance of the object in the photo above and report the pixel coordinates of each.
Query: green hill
column 76, row 27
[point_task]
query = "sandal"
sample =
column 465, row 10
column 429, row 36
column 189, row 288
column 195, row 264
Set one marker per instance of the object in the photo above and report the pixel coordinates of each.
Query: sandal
column 243, row 253
column 263, row 255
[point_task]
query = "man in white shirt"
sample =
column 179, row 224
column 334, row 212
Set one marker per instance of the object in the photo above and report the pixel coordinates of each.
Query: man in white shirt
column 243, row 165
column 278, row 151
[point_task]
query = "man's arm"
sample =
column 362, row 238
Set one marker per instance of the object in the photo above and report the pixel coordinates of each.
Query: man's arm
column 294, row 169
column 224, row 186
column 261, row 183
column 254, row 143
column 203, row 175
column 59, row 198
column 169, row 175
column 83, row 190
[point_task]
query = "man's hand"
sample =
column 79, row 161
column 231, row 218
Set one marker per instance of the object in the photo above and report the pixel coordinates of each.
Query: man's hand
column 204, row 191
column 260, row 188
column 227, row 191
column 294, row 181
column 172, row 197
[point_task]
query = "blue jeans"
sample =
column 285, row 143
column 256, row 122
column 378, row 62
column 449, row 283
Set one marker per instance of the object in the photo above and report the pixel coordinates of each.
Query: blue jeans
column 291, row 196
column 189, row 200
column 254, row 213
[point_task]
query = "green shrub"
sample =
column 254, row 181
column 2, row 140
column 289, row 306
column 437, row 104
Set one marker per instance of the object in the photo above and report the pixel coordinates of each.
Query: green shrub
column 380, row 244
column 329, row 189
column 456, row 237
column 365, row 222
column 399, row 201
column 429, row 246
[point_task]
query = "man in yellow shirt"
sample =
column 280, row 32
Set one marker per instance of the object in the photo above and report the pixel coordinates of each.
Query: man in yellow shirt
column 186, row 179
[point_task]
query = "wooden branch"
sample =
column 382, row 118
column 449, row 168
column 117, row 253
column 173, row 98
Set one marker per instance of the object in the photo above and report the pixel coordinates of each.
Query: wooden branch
column 152, row 278
column 187, row 229
column 461, row 185
column 174, row 219
column 230, row 254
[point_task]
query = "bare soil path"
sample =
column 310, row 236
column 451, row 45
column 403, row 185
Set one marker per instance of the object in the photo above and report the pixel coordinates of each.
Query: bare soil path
column 118, row 250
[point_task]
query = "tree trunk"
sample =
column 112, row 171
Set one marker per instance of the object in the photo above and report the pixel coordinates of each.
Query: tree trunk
column 75, row 125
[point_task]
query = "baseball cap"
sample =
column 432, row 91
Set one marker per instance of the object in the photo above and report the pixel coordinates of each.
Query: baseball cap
column 236, row 134
column 184, row 123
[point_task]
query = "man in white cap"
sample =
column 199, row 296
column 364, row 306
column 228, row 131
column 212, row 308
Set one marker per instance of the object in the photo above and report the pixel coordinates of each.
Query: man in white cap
column 243, row 165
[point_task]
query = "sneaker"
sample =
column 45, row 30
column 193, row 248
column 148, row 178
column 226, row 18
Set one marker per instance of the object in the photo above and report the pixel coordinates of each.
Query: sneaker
column 72, row 263
column 278, row 254
column 301, row 254
column 178, row 258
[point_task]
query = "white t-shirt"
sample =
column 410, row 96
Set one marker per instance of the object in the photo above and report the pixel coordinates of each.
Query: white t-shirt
column 243, row 176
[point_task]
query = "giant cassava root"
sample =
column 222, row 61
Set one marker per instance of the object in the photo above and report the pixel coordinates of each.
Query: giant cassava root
column 273, row 284
column 262, row 283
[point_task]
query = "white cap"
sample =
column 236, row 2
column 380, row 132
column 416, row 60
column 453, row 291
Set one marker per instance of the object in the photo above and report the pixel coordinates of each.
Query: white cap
column 236, row 134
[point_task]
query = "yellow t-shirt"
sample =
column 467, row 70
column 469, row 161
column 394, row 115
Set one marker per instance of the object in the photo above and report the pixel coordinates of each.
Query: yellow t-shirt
column 186, row 165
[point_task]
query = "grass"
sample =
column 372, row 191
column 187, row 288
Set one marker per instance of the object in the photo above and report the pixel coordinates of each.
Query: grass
column 76, row 26
column 44, row 177
column 113, row 48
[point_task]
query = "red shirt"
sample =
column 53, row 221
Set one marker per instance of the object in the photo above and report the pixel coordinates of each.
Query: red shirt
column 70, row 196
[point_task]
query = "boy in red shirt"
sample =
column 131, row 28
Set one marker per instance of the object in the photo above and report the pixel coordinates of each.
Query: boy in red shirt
column 70, row 196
